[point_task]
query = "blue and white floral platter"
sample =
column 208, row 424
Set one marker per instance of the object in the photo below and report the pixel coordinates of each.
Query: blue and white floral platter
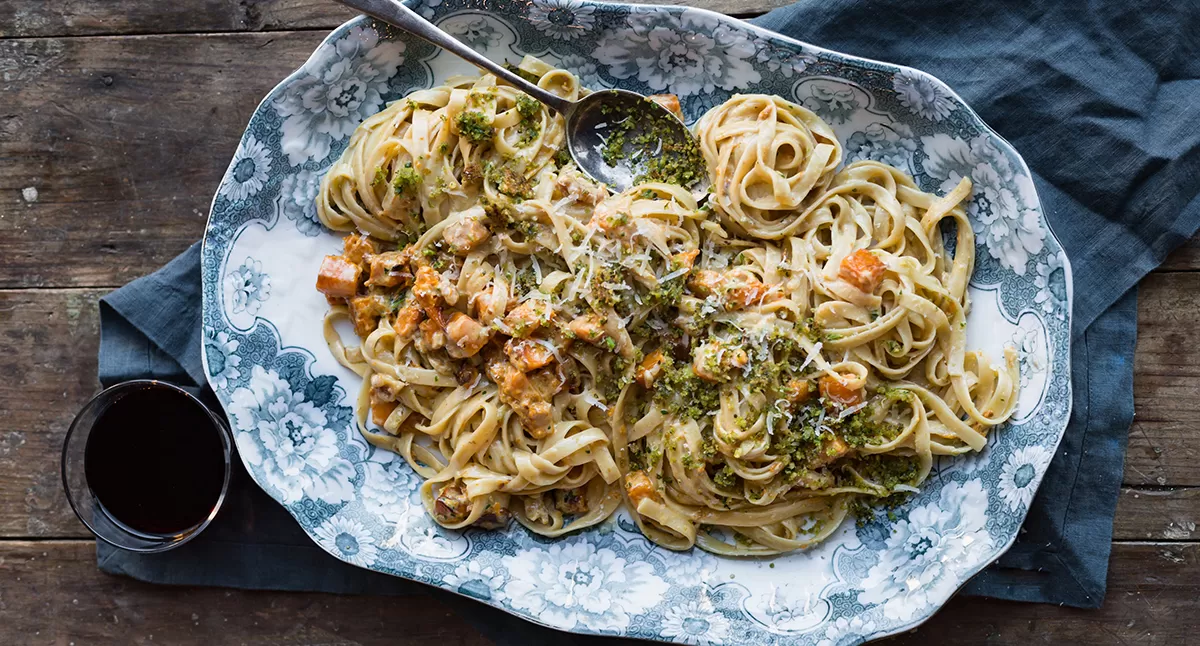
column 290, row 403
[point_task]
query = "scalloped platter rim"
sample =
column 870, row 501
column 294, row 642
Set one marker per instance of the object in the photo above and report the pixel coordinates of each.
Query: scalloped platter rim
column 289, row 403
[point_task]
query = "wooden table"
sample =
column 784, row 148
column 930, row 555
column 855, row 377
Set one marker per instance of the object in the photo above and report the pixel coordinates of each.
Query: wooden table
column 117, row 120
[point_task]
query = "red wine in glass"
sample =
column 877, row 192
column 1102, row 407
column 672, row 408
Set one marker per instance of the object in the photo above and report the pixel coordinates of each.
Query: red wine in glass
column 146, row 465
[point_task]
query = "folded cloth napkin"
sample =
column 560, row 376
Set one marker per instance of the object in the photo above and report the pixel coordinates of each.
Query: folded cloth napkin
column 1102, row 105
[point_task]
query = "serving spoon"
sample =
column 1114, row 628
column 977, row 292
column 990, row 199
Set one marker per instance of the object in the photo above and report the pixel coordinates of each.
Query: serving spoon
column 617, row 137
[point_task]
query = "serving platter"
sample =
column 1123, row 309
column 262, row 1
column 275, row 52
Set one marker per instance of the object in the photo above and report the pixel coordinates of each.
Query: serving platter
column 290, row 404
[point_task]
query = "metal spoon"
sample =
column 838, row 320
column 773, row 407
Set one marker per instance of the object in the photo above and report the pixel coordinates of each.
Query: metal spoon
column 650, row 143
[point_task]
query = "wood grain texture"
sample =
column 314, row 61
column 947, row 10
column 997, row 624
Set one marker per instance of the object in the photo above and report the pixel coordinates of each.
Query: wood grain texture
column 116, row 17
column 48, row 343
column 124, row 140
column 53, row 593
column 1159, row 514
column 1164, row 443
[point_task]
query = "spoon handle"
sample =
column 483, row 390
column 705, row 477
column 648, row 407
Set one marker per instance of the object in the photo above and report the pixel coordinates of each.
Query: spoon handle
column 396, row 14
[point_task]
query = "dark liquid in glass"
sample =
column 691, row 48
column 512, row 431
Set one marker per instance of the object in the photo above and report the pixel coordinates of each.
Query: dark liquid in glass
column 155, row 462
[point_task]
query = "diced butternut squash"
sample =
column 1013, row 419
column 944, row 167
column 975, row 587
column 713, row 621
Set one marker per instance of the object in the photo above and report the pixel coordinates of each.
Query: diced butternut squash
column 836, row 391
column 526, row 354
column 451, row 505
column 686, row 259
column 338, row 277
column 357, row 247
column 737, row 290
column 381, row 410
column 427, row 288
column 390, row 269
column 668, row 101
column 705, row 282
column 407, row 320
column 649, row 369
column 365, row 312
column 832, row 448
column 527, row 317
column 862, row 269
column 432, row 336
column 466, row 335
column 639, row 487
column 797, row 390
column 467, row 233
column 712, row 361
column 589, row 327
column 523, row 397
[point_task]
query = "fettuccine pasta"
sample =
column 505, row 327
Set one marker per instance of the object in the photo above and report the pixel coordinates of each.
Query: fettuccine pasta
column 741, row 374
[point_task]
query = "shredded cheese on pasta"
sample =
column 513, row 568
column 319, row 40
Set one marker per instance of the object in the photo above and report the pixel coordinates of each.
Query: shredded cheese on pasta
column 740, row 373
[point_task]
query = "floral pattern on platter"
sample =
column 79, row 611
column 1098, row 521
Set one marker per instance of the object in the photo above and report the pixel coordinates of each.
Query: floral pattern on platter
column 475, row 31
column 289, row 403
column 696, row 568
column 778, row 59
column 561, row 20
column 220, row 352
column 695, row 622
column 834, row 105
column 297, row 201
column 928, row 551
column 340, row 86
column 248, row 287
column 845, row 630
column 389, row 485
column 248, row 172
column 349, row 539
column 417, row 534
column 573, row 583
column 789, row 608
column 922, row 95
column 888, row 143
column 476, row 580
column 1001, row 211
column 585, row 69
column 426, row 8
column 282, row 436
column 683, row 53
column 1018, row 475
column 1051, row 284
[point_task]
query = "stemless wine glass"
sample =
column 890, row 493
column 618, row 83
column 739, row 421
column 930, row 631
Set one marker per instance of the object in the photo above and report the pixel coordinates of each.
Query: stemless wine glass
column 83, row 499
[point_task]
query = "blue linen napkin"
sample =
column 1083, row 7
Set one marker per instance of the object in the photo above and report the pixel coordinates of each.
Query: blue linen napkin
column 1101, row 103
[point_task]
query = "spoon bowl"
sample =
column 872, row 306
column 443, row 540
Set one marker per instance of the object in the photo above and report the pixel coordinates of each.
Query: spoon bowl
column 617, row 137
column 622, row 138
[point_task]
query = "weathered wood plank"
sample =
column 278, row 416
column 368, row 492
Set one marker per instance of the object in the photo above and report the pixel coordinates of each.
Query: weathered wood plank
column 1164, row 445
column 48, row 344
column 1170, row 514
column 80, row 17
column 125, row 141
column 48, row 341
column 53, row 593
